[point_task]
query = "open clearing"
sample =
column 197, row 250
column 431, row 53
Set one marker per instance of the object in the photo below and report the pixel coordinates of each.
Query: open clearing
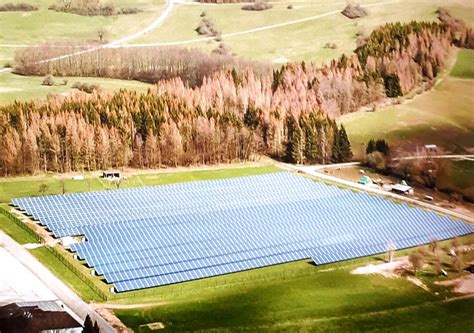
column 441, row 116
column 24, row 88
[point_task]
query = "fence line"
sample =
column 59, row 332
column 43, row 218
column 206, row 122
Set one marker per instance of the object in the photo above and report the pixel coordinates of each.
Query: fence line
column 20, row 223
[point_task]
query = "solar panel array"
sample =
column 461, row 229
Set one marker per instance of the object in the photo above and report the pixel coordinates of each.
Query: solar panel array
column 152, row 236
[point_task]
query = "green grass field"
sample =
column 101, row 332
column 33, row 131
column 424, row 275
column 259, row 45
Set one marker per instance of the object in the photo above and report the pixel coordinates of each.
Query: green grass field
column 22, row 88
column 299, row 41
column 67, row 276
column 328, row 299
column 29, row 186
column 47, row 25
column 458, row 176
column 44, row 25
column 14, row 231
column 441, row 116
column 464, row 67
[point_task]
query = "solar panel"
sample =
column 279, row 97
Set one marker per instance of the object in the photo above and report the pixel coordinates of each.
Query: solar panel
column 151, row 236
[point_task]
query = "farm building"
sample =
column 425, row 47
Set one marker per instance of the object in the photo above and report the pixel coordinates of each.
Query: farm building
column 111, row 174
column 402, row 189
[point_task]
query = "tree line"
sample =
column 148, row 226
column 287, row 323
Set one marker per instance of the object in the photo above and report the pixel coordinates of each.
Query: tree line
column 148, row 65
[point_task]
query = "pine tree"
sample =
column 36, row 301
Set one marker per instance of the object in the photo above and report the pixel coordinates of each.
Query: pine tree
column 336, row 155
column 294, row 146
column 344, row 145
column 382, row 146
column 370, row 147
column 311, row 151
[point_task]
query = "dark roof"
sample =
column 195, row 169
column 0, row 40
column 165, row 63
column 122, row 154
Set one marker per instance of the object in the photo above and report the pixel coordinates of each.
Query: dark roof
column 31, row 318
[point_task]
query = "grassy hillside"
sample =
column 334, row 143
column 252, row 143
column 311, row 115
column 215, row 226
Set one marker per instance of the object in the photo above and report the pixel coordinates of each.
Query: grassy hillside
column 16, row 87
column 295, row 41
column 442, row 116
column 46, row 25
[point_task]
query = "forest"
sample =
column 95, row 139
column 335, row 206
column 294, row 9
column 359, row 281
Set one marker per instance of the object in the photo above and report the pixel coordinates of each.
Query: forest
column 230, row 114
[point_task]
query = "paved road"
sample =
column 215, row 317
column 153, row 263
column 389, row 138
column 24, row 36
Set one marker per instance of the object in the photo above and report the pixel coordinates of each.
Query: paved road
column 62, row 292
column 312, row 172
column 451, row 157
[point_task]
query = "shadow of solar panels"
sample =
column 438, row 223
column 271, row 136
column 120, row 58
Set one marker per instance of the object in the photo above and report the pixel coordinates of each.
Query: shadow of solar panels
column 152, row 236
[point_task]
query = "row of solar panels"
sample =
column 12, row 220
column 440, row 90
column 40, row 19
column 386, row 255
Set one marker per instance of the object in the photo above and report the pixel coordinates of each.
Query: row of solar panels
column 166, row 262
column 148, row 241
column 232, row 267
column 66, row 221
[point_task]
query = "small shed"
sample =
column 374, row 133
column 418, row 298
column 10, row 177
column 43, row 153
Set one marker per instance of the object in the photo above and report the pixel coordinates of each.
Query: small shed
column 111, row 174
column 402, row 189
column 431, row 147
column 365, row 180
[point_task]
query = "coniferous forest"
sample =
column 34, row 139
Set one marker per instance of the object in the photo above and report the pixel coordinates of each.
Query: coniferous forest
column 229, row 113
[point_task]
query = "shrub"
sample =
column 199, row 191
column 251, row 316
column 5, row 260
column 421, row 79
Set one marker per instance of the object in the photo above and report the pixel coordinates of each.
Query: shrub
column 207, row 28
column 353, row 11
column 222, row 49
column 48, row 80
column 100, row 10
column 128, row 11
column 87, row 88
column 377, row 161
column 332, row 46
column 289, row 7
column 18, row 7
column 258, row 6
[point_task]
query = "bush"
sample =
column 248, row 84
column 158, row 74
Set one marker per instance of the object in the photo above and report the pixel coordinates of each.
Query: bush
column 377, row 161
column 258, row 6
column 289, row 7
column 207, row 28
column 18, row 7
column 332, row 46
column 128, row 11
column 48, row 80
column 101, row 10
column 88, row 88
column 353, row 11
column 222, row 49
